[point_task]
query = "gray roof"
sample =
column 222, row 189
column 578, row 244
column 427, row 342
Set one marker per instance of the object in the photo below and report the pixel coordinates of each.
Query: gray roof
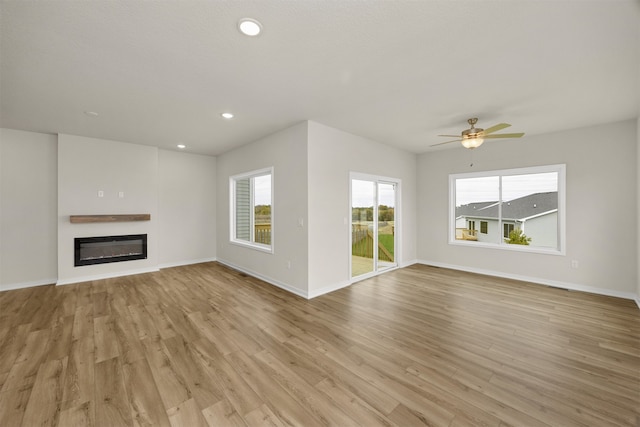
column 516, row 209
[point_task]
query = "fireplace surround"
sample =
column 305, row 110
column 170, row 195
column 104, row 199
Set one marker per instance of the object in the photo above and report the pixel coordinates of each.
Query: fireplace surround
column 107, row 249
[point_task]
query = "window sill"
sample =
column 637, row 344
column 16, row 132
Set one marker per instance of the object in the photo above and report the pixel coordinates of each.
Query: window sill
column 255, row 246
column 507, row 247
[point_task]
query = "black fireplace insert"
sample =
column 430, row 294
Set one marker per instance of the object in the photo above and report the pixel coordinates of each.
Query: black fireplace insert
column 105, row 249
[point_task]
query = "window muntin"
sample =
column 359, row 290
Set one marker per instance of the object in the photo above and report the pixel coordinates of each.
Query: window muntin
column 528, row 200
column 252, row 209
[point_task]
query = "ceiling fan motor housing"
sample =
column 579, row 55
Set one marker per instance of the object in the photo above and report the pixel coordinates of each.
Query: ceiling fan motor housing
column 471, row 133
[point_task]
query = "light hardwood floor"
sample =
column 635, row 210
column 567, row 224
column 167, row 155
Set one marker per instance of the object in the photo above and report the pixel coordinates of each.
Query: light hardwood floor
column 205, row 345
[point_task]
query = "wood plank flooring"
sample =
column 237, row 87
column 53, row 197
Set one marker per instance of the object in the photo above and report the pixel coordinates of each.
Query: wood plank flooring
column 206, row 345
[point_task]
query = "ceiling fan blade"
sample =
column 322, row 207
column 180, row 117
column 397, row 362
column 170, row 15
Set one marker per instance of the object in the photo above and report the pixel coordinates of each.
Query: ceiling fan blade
column 451, row 136
column 496, row 128
column 446, row 142
column 504, row 135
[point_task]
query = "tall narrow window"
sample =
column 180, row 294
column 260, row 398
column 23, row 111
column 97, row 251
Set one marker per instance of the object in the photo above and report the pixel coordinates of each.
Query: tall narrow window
column 519, row 209
column 252, row 209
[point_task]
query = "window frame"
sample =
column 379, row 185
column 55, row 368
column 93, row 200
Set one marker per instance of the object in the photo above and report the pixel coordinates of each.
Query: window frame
column 507, row 228
column 484, row 227
column 251, row 243
column 560, row 169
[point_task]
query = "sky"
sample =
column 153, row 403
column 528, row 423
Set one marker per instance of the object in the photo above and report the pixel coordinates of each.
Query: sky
column 486, row 189
column 362, row 193
column 262, row 190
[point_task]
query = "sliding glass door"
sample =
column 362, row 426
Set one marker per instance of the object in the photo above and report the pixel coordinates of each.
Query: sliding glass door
column 373, row 224
column 385, row 218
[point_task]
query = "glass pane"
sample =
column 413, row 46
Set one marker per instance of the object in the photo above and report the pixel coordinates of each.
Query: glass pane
column 362, row 203
column 530, row 208
column 386, row 224
column 262, row 209
column 477, row 201
column 243, row 209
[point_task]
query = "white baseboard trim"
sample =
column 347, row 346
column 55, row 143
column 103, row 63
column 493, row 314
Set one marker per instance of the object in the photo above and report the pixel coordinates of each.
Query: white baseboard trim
column 55, row 281
column 186, row 262
column 269, row 280
column 106, row 276
column 331, row 288
column 537, row 280
column 328, row 289
column 637, row 300
column 408, row 263
column 22, row 285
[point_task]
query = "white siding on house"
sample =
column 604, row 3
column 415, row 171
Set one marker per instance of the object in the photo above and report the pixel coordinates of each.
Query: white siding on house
column 493, row 234
column 542, row 230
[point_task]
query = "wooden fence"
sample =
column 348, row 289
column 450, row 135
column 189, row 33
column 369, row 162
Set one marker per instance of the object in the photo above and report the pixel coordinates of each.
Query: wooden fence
column 362, row 243
column 263, row 233
column 466, row 234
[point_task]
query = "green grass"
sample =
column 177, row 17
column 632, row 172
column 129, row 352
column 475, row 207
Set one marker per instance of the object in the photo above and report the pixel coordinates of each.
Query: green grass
column 387, row 242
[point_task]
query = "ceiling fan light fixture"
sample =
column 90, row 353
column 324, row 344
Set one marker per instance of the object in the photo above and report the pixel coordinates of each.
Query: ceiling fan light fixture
column 474, row 137
column 472, row 143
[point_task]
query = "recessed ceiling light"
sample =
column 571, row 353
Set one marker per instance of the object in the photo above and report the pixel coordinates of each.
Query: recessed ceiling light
column 249, row 27
column 227, row 115
column 182, row 146
column 91, row 113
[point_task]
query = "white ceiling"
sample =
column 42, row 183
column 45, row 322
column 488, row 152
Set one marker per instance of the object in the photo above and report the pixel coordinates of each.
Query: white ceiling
column 397, row 72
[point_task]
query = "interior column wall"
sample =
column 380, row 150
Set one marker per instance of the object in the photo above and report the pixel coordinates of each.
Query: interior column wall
column 638, row 210
column 28, row 209
column 186, row 208
column 333, row 154
column 89, row 165
column 286, row 152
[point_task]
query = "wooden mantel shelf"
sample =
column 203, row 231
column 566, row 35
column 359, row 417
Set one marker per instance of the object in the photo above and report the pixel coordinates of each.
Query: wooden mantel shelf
column 83, row 219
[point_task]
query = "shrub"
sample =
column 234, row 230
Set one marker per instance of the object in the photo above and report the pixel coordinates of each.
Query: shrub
column 516, row 237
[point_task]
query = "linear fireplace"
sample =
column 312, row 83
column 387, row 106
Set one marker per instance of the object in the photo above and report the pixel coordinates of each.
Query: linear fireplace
column 105, row 249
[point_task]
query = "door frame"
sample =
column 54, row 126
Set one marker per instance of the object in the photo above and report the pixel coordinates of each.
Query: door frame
column 397, row 223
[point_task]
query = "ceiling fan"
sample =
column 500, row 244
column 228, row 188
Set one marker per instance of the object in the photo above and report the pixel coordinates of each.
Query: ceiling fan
column 474, row 137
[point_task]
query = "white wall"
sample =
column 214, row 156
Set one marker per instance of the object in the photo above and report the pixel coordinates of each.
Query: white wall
column 186, row 208
column 333, row 154
column 286, row 152
column 28, row 197
column 638, row 209
column 601, row 191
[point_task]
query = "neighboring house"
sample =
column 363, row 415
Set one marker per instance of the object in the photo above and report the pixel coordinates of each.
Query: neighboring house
column 536, row 215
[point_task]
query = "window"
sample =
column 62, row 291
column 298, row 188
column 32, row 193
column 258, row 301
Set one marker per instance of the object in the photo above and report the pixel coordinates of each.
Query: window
column 251, row 209
column 518, row 209
column 508, row 228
